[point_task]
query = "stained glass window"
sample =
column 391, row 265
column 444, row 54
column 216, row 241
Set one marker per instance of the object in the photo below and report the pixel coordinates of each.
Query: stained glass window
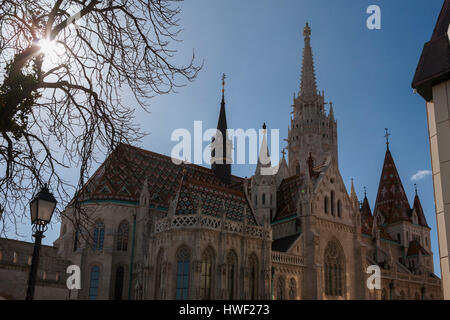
column 183, row 264
column 93, row 286
column 99, row 236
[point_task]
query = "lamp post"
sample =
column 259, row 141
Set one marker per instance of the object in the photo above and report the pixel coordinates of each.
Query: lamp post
column 41, row 209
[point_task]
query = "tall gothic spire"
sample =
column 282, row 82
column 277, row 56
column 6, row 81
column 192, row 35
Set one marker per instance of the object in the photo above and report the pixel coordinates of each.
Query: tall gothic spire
column 308, row 85
column 221, row 146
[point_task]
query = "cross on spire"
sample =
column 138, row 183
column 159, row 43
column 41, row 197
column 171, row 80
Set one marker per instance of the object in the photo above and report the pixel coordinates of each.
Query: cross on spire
column 223, row 84
column 387, row 137
column 415, row 188
column 365, row 191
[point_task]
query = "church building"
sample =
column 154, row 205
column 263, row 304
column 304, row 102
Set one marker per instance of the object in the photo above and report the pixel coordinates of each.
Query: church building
column 164, row 231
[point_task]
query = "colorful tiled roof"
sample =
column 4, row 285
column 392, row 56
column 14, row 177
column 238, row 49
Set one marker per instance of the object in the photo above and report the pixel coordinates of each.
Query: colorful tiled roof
column 287, row 197
column 213, row 200
column 366, row 217
column 122, row 176
column 420, row 215
column 391, row 198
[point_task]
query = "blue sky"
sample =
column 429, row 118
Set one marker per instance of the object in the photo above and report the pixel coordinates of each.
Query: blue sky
column 367, row 75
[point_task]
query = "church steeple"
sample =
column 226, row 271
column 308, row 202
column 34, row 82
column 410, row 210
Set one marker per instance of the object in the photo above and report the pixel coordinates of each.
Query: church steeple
column 308, row 86
column 221, row 145
column 312, row 130
column 391, row 200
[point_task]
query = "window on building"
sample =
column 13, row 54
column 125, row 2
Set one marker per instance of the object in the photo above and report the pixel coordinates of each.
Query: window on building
column 99, row 236
column 297, row 169
column 118, row 289
column 332, row 203
column 158, row 274
column 253, row 277
column 325, row 204
column 263, row 198
column 231, row 263
column 271, row 199
column 122, row 236
column 256, row 200
column 94, row 283
column 75, row 241
column 292, row 289
column 334, row 272
column 280, row 288
column 339, row 209
column 205, row 274
column 399, row 238
column 183, row 265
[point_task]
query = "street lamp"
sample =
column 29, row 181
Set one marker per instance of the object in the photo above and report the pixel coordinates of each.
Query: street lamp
column 41, row 209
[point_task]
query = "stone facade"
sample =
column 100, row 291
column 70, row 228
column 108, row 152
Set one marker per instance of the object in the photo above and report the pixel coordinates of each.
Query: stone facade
column 15, row 261
column 165, row 231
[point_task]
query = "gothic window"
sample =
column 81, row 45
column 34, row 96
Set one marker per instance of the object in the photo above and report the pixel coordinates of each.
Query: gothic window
column 263, row 198
column 339, row 209
column 93, row 286
column 205, row 275
column 118, row 289
column 325, row 204
column 183, row 264
column 383, row 294
column 122, row 236
column 332, row 203
column 334, row 272
column 253, row 277
column 158, row 274
column 231, row 263
column 271, row 199
column 256, row 200
column 292, row 289
column 99, row 236
column 280, row 288
column 75, row 241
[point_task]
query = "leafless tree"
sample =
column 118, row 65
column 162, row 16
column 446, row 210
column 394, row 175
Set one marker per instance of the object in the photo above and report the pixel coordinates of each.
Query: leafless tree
column 64, row 65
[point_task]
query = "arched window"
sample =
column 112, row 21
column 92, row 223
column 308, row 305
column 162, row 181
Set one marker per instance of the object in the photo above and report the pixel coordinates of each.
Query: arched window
column 263, row 198
column 253, row 277
column 75, row 241
column 118, row 289
column 231, row 274
column 93, row 285
column 332, row 202
column 183, row 265
column 339, row 209
column 158, row 274
column 325, row 204
column 334, row 271
column 280, row 288
column 205, row 275
column 122, row 236
column 292, row 289
column 99, row 236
